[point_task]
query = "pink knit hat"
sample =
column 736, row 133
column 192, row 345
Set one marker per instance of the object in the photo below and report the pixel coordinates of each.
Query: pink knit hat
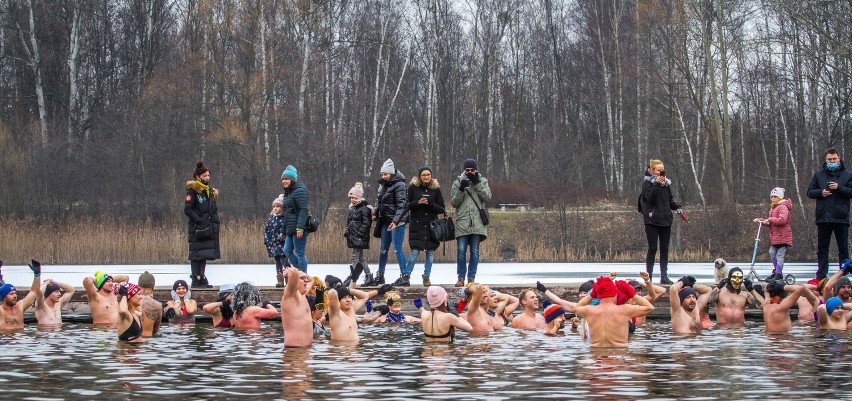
column 436, row 296
column 357, row 191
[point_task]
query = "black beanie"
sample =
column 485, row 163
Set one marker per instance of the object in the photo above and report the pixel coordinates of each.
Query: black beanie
column 179, row 283
column 470, row 163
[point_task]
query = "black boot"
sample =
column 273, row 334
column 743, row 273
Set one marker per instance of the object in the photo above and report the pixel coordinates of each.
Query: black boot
column 196, row 282
column 369, row 280
column 380, row 278
column 664, row 278
column 403, row 281
column 205, row 283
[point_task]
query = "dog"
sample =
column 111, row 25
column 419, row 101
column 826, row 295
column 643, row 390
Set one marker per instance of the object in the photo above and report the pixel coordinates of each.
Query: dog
column 721, row 269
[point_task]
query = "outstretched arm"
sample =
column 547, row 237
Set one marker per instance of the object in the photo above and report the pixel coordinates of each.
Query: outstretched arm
column 35, row 291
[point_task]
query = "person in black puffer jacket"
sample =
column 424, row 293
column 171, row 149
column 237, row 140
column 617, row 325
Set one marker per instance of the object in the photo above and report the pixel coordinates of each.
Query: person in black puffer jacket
column 357, row 232
column 203, row 225
column 295, row 216
column 425, row 203
column 390, row 214
column 656, row 204
column 831, row 186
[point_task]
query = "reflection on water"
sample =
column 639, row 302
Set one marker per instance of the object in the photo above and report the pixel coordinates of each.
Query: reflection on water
column 79, row 361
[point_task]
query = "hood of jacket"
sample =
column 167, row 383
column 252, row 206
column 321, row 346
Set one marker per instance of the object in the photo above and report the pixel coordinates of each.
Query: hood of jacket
column 432, row 184
column 785, row 203
column 195, row 186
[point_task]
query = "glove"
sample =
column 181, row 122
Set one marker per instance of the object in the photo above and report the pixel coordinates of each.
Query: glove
column 383, row 309
column 474, row 178
column 465, row 182
column 748, row 285
column 722, row 283
column 35, row 266
column 332, row 282
column 688, row 281
column 122, row 291
column 170, row 314
column 384, row 289
column 369, row 305
column 265, row 304
column 418, row 303
column 539, row 286
column 846, row 266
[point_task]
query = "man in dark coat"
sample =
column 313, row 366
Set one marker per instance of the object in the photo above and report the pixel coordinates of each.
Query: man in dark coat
column 831, row 186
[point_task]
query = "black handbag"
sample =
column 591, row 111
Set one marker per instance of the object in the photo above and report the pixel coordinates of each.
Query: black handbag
column 205, row 233
column 312, row 224
column 443, row 229
column 483, row 213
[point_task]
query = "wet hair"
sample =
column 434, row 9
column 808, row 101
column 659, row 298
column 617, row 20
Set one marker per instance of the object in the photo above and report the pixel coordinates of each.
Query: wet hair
column 199, row 169
column 227, row 312
column 245, row 295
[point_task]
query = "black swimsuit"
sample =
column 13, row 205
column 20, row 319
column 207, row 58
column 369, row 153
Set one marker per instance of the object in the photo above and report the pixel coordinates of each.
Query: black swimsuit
column 450, row 333
column 133, row 332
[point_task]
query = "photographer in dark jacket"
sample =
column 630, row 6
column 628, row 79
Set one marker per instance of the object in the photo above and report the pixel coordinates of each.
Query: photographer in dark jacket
column 831, row 186
column 656, row 204
column 425, row 203
column 390, row 214
column 203, row 225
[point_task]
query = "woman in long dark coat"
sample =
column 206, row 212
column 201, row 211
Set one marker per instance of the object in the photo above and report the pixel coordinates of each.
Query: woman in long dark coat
column 425, row 203
column 203, row 225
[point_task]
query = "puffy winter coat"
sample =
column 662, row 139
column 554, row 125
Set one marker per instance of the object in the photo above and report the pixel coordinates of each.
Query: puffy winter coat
column 657, row 202
column 274, row 244
column 467, row 213
column 420, row 216
column 203, row 224
column 780, row 232
column 834, row 208
column 358, row 226
column 390, row 202
column 295, row 207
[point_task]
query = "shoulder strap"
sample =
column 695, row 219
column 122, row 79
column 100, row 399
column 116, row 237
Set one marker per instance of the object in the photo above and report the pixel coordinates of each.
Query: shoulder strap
column 473, row 199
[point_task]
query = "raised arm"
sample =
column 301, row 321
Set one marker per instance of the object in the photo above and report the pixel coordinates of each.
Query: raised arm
column 642, row 307
column 212, row 308
column 795, row 292
column 333, row 303
column 508, row 304
column 89, row 287
column 460, row 323
column 811, row 297
column 474, row 307
column 35, row 291
column 361, row 297
column 68, row 292
column 291, row 289
column 567, row 305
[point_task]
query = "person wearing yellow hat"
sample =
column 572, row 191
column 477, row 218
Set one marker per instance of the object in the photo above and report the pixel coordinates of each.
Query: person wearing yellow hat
column 100, row 293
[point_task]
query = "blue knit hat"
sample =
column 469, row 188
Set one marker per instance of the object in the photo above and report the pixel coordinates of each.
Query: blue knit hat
column 832, row 304
column 290, row 173
column 5, row 289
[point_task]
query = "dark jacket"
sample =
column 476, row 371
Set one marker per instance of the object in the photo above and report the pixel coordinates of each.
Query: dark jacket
column 834, row 208
column 274, row 244
column 295, row 207
column 203, row 224
column 390, row 202
column 358, row 226
column 657, row 203
column 420, row 216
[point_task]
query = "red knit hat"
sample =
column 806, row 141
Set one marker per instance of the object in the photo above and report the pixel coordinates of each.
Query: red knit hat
column 625, row 292
column 604, row 288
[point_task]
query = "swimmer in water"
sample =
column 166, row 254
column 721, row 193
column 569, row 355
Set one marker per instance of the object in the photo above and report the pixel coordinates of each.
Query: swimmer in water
column 12, row 310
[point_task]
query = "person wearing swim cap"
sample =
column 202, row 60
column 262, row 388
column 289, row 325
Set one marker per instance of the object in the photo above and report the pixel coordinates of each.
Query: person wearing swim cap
column 834, row 314
column 554, row 318
column 12, row 310
column 607, row 320
column 731, row 299
column 103, row 303
column 686, row 300
column 776, row 309
column 128, row 325
column 529, row 319
column 438, row 324
column 152, row 310
column 51, row 299
column 249, row 307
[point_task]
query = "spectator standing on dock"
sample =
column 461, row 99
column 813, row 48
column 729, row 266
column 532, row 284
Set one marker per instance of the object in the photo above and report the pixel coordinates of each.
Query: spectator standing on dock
column 296, row 206
column 656, row 204
column 425, row 203
column 780, row 232
column 390, row 214
column 203, row 224
column 273, row 238
column 468, row 195
column 357, row 234
column 831, row 186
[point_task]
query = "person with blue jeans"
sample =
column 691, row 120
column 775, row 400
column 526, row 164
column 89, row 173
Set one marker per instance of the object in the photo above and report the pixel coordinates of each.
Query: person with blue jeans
column 390, row 214
column 469, row 193
column 831, row 186
column 295, row 217
column 425, row 203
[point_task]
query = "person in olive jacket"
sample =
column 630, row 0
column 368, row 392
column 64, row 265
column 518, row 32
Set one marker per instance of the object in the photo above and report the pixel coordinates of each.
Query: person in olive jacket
column 656, row 204
column 358, row 232
column 831, row 187
column 203, row 225
column 390, row 214
column 295, row 217
column 425, row 203
column 468, row 194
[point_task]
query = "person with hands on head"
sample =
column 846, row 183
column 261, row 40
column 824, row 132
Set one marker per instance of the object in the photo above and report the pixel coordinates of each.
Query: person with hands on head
column 498, row 306
column 469, row 193
column 438, row 324
column 425, row 203
column 731, row 300
column 776, row 311
column 529, row 319
column 834, row 314
column 686, row 299
column 100, row 293
column 342, row 304
column 390, row 214
column 221, row 310
column 181, row 308
column 831, row 187
column 607, row 320
column 12, row 310
column 248, row 307
column 51, row 299
column 296, row 318
column 656, row 204
column 128, row 324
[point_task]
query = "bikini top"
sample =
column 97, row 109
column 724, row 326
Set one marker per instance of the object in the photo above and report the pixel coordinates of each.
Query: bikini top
column 225, row 323
column 451, row 333
column 133, row 332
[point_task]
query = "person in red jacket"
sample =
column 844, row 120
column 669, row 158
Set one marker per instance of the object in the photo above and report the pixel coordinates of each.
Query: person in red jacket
column 780, row 233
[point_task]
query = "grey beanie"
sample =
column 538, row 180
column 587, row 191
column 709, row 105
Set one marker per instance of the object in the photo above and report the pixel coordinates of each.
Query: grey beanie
column 388, row 167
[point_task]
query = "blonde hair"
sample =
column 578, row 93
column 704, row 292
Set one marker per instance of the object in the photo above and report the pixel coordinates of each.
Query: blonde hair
column 654, row 162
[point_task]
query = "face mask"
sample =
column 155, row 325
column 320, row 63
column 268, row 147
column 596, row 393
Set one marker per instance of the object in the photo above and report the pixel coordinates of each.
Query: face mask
column 205, row 182
column 832, row 166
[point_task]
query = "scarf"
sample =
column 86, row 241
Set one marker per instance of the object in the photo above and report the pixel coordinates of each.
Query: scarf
column 775, row 300
column 205, row 188
column 776, row 203
column 395, row 317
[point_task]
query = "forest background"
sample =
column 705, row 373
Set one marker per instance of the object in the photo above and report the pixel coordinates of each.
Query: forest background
column 108, row 104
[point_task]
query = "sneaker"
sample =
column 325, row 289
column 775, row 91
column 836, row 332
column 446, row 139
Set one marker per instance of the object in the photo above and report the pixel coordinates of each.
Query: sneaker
column 426, row 281
column 460, row 283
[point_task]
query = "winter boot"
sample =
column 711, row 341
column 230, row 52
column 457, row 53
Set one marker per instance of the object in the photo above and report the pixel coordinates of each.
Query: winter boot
column 380, row 278
column 196, row 282
column 403, row 281
column 664, row 278
column 369, row 280
column 426, row 281
column 460, row 282
column 205, row 283
column 280, row 278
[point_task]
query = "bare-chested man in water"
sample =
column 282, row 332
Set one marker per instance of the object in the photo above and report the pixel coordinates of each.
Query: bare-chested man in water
column 151, row 309
column 529, row 319
column 12, row 310
column 834, row 314
column 776, row 309
column 295, row 312
column 342, row 304
column 686, row 299
column 476, row 314
column 607, row 321
column 731, row 302
column 103, row 302
column 50, row 302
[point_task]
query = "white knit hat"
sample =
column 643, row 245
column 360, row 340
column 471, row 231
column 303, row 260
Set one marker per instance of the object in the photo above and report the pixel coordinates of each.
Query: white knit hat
column 388, row 167
column 778, row 191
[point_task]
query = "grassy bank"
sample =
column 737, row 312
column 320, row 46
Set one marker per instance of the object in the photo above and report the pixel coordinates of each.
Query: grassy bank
column 574, row 235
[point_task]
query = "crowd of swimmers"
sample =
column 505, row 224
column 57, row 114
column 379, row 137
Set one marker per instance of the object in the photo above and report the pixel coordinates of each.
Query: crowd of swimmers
column 606, row 310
